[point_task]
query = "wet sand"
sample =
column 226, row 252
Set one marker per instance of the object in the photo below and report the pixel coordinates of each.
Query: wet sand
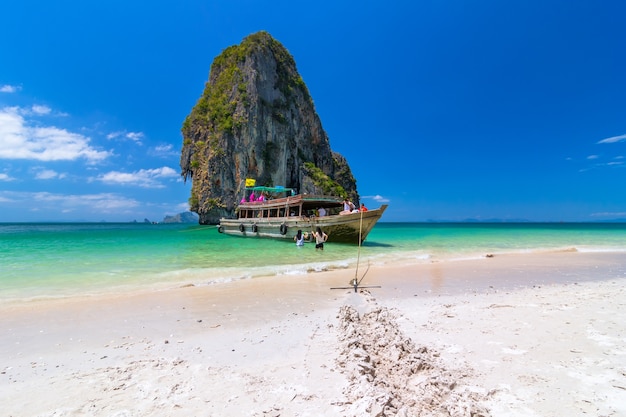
column 515, row 335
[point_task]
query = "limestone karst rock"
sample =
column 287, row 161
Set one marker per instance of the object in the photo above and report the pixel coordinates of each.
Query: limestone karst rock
column 256, row 119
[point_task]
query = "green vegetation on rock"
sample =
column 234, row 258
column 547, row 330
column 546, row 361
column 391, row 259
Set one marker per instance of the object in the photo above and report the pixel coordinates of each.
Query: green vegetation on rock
column 323, row 181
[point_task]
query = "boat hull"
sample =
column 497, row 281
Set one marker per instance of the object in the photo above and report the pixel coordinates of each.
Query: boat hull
column 341, row 228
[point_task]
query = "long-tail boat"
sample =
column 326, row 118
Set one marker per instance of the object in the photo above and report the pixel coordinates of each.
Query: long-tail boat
column 278, row 212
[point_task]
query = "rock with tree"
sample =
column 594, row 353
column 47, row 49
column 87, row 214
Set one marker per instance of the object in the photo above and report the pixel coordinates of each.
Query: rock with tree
column 256, row 119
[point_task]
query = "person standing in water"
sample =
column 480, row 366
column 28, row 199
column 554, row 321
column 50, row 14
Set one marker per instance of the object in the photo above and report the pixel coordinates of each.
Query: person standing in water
column 299, row 238
column 320, row 238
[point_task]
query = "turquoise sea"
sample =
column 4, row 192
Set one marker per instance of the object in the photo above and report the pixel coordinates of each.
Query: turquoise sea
column 39, row 260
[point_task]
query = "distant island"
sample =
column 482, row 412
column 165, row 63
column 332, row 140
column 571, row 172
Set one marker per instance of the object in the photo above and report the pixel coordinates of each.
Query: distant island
column 185, row 217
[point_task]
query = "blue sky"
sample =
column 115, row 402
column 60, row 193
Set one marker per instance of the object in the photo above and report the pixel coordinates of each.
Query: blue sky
column 446, row 110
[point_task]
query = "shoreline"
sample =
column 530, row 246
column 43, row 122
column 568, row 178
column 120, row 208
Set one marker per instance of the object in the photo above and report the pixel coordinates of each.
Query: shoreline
column 399, row 261
column 520, row 335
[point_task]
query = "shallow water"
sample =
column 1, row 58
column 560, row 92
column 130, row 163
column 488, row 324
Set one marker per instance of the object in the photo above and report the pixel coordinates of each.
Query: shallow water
column 55, row 260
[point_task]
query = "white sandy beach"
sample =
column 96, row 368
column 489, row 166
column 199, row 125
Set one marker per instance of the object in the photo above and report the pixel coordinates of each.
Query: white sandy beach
column 515, row 335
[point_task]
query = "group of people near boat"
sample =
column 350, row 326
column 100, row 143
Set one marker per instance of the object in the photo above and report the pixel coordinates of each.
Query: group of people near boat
column 319, row 236
column 253, row 198
column 349, row 207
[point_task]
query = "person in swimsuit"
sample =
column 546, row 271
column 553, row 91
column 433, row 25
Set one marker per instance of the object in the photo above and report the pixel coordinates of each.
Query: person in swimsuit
column 299, row 238
column 320, row 238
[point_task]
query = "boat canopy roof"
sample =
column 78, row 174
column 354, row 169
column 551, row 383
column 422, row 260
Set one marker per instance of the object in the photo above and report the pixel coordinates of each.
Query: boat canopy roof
column 277, row 189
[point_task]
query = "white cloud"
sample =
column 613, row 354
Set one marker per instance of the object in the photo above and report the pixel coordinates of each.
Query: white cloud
column 9, row 88
column 182, row 207
column 134, row 136
column 377, row 198
column 164, row 148
column 104, row 202
column 614, row 139
column 38, row 109
column 609, row 214
column 164, row 151
column 48, row 174
column 6, row 177
column 91, row 203
column 593, row 157
column 18, row 140
column 145, row 178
